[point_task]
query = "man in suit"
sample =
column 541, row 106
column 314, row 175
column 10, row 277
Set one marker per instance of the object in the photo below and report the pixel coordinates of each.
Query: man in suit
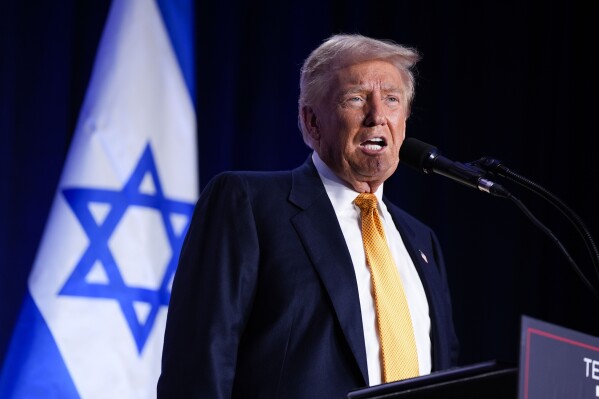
column 274, row 295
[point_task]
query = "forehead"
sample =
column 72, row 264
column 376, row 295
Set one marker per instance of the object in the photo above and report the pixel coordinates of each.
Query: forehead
column 368, row 74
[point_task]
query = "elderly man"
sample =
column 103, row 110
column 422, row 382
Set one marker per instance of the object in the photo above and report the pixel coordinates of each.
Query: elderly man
column 309, row 283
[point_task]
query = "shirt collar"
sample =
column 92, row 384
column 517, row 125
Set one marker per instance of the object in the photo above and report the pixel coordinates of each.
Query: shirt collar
column 340, row 194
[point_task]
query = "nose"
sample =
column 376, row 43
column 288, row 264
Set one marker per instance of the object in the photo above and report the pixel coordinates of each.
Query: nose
column 375, row 113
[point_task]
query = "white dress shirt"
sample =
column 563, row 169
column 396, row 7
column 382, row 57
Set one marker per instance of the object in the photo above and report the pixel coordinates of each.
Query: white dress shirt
column 348, row 214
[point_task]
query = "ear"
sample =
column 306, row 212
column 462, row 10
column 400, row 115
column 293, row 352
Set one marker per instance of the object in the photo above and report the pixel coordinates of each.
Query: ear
column 311, row 122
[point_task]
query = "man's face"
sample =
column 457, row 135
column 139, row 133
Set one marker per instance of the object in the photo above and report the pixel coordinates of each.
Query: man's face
column 359, row 126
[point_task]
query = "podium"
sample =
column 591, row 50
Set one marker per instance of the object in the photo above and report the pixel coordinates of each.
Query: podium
column 489, row 380
column 555, row 362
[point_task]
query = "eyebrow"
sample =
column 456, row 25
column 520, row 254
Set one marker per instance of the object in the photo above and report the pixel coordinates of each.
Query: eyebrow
column 362, row 88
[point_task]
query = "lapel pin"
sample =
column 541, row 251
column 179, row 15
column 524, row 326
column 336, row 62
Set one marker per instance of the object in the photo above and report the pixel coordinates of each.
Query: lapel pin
column 423, row 256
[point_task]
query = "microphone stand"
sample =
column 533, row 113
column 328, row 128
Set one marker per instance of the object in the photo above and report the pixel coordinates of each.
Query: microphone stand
column 495, row 167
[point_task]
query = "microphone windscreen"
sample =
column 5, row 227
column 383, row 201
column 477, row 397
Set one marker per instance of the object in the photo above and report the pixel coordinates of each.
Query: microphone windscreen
column 416, row 153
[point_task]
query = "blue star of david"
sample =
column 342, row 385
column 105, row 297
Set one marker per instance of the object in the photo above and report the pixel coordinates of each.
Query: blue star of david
column 98, row 251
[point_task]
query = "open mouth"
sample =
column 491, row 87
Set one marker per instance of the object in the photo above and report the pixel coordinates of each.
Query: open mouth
column 374, row 144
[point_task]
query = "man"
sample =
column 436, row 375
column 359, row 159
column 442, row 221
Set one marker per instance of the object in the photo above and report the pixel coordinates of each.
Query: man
column 275, row 296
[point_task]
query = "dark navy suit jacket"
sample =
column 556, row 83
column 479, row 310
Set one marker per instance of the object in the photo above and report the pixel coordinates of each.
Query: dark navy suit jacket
column 265, row 300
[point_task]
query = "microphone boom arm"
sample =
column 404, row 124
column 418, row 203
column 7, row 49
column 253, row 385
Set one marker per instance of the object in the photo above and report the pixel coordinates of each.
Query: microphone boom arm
column 426, row 158
column 495, row 167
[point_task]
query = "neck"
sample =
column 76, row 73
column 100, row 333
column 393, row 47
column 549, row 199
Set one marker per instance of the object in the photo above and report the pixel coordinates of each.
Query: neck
column 365, row 186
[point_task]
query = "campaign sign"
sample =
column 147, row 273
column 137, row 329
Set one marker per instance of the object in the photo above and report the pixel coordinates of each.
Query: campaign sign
column 556, row 362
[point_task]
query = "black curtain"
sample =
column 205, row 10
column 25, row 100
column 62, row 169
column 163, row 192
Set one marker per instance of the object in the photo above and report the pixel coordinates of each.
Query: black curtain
column 510, row 79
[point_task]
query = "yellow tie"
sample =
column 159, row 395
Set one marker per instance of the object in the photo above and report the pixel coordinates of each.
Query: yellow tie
column 398, row 347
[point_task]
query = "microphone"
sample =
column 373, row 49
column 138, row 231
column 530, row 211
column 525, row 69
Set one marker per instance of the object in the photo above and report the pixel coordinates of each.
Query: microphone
column 426, row 158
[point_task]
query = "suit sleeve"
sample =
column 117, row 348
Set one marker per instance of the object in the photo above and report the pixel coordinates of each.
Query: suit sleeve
column 212, row 294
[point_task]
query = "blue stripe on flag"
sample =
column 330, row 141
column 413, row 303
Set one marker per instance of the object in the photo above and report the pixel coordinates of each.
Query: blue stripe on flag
column 31, row 335
column 178, row 16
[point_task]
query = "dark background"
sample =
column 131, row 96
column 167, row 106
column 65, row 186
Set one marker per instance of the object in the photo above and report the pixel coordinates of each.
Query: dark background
column 511, row 79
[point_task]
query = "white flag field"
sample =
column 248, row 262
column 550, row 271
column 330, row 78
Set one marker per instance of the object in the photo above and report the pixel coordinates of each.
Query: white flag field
column 92, row 324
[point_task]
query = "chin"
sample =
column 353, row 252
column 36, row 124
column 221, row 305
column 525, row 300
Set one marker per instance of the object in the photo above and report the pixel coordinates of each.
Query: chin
column 378, row 167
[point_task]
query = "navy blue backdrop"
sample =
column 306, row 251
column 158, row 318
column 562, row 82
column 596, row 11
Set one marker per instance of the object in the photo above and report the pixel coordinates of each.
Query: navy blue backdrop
column 510, row 79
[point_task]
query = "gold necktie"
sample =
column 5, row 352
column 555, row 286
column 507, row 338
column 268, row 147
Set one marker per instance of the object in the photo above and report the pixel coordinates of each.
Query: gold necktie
column 398, row 347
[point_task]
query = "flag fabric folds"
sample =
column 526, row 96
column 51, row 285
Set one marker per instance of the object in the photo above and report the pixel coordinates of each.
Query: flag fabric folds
column 92, row 324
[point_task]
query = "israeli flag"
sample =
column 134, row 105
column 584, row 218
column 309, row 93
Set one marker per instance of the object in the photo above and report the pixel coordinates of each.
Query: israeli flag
column 92, row 325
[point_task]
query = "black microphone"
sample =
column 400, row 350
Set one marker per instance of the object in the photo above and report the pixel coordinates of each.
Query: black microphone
column 427, row 158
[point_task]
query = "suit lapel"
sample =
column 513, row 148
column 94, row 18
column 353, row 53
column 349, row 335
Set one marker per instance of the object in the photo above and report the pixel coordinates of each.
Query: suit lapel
column 317, row 224
column 407, row 234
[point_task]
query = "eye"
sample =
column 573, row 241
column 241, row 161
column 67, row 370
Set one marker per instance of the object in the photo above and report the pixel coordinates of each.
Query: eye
column 352, row 101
